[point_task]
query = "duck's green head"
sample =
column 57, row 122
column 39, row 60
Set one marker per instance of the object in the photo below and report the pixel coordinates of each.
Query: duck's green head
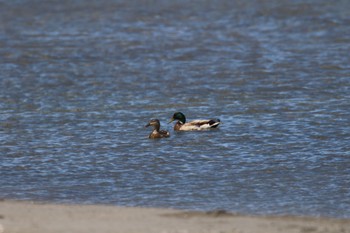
column 178, row 116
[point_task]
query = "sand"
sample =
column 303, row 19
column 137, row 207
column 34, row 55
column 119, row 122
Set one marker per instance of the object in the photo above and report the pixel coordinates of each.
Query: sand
column 28, row 217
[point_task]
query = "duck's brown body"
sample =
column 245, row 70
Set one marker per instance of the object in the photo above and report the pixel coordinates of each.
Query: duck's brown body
column 157, row 133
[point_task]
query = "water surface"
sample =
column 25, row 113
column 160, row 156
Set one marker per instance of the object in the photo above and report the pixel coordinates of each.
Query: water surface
column 80, row 79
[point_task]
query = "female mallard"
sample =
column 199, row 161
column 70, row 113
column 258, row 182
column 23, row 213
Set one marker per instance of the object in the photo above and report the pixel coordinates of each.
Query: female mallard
column 193, row 125
column 156, row 133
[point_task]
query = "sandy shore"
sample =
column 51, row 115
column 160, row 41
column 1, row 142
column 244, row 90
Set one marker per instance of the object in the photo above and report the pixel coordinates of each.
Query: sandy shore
column 30, row 217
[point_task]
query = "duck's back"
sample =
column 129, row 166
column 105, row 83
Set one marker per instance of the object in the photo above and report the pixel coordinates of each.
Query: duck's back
column 197, row 125
column 159, row 134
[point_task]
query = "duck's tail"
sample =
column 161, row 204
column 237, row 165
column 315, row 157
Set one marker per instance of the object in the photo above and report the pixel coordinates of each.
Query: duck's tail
column 214, row 123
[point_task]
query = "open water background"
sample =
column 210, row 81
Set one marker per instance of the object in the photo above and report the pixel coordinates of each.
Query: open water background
column 80, row 79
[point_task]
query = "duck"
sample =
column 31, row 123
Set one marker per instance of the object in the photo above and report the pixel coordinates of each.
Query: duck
column 181, row 124
column 157, row 133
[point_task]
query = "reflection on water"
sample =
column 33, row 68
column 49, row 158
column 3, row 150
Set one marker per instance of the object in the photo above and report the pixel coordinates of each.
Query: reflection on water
column 80, row 80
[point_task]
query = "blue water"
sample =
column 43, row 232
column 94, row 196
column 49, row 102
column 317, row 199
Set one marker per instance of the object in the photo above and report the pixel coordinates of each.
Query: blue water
column 79, row 80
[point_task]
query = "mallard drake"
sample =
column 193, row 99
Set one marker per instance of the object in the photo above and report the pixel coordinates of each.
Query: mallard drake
column 157, row 133
column 193, row 125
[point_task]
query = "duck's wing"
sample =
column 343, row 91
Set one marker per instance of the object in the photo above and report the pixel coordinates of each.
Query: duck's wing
column 164, row 133
column 200, row 125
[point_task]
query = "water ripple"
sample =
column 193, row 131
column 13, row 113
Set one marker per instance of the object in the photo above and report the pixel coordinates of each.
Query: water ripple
column 80, row 80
